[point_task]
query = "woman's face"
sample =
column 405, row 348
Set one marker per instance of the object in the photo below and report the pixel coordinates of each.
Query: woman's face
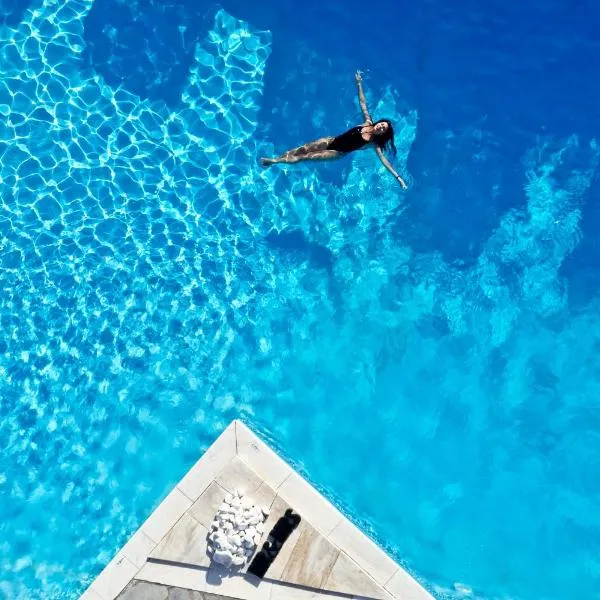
column 380, row 128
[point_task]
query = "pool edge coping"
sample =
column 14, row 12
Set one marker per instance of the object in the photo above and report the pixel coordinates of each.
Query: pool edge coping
column 239, row 440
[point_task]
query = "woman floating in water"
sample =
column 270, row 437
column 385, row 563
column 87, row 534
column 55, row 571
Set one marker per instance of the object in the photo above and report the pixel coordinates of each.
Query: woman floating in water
column 379, row 135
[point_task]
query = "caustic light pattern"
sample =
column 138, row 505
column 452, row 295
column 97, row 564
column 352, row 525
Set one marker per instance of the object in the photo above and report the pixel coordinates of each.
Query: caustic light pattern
column 149, row 296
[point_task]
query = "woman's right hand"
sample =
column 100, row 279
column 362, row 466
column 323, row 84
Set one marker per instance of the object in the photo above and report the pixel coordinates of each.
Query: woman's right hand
column 358, row 76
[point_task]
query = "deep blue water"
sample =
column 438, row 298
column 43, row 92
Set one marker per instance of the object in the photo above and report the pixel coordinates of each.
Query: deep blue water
column 488, row 80
column 429, row 359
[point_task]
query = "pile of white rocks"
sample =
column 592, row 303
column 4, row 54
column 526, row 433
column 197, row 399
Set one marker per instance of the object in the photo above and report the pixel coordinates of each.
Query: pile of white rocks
column 236, row 530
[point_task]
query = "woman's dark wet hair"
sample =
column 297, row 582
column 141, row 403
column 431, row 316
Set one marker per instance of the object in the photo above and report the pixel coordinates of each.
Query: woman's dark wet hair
column 386, row 140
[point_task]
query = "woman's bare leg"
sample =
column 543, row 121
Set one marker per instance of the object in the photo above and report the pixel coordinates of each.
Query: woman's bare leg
column 291, row 159
column 316, row 150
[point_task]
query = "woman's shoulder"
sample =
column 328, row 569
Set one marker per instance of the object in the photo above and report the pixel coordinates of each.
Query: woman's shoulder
column 357, row 128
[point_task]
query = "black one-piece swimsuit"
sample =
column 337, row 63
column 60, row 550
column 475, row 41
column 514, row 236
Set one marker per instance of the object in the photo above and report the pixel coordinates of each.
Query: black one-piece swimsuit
column 349, row 141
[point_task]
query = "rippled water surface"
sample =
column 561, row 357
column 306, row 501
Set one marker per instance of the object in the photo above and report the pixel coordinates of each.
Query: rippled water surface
column 428, row 359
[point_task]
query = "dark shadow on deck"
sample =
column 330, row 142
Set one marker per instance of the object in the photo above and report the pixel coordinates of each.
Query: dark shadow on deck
column 216, row 575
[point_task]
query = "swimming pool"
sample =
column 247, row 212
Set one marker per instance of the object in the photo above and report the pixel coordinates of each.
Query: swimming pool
column 428, row 359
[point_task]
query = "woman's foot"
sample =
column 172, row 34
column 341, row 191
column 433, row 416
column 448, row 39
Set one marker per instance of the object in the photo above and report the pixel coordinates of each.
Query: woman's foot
column 267, row 162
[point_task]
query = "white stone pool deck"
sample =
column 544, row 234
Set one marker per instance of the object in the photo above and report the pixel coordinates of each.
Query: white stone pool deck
column 325, row 557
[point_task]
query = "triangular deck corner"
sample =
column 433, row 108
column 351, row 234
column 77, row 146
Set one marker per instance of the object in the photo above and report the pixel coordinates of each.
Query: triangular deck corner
column 326, row 556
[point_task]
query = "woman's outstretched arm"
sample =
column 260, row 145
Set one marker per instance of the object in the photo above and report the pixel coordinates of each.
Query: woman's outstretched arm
column 388, row 166
column 361, row 97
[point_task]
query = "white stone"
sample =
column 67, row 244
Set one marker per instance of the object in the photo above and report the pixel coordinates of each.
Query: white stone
column 236, row 530
column 238, row 561
column 227, row 527
column 223, row 558
column 218, row 537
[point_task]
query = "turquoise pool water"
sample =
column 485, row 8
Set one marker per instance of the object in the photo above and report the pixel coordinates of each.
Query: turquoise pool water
column 156, row 283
